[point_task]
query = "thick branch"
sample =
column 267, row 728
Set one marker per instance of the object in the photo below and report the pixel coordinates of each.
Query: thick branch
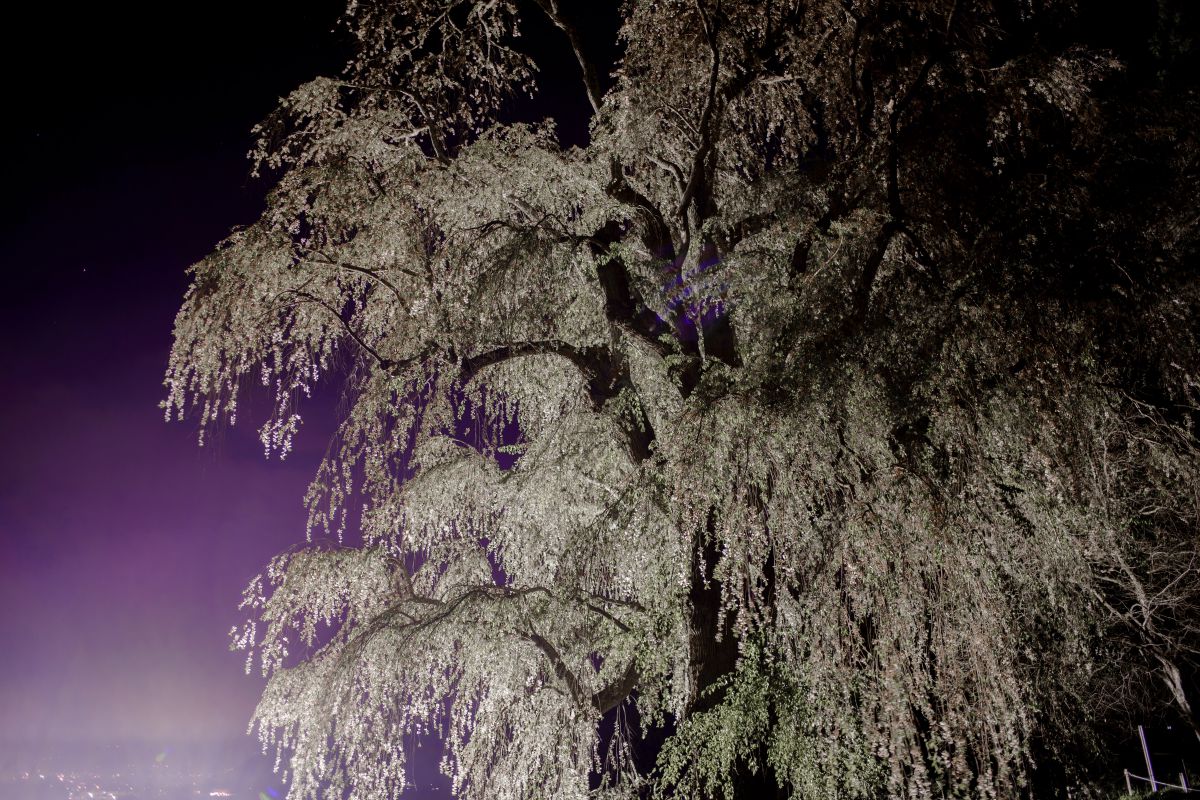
column 862, row 291
column 712, row 644
column 604, row 700
column 896, row 222
column 656, row 236
column 578, row 693
column 596, row 363
column 615, row 693
column 696, row 188
column 590, row 81
column 319, row 257
column 606, row 371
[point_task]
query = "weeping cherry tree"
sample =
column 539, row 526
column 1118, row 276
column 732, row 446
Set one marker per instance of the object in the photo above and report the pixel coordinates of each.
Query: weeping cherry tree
column 828, row 416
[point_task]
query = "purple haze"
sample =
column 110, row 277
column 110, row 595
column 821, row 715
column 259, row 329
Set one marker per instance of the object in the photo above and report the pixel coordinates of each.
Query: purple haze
column 123, row 545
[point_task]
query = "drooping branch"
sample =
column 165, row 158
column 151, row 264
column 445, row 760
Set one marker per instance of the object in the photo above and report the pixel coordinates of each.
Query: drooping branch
column 596, row 363
column 616, row 692
column 602, row 700
column 564, row 673
column 606, row 372
column 320, row 257
column 353, row 334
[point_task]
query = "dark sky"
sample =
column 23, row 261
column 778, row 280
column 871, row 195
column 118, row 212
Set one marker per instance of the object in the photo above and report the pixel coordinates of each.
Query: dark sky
column 124, row 546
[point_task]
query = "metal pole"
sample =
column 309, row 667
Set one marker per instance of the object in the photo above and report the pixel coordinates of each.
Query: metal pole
column 1146, row 753
column 1128, row 785
column 1183, row 783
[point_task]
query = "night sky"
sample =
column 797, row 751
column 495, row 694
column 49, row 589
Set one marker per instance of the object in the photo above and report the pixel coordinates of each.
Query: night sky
column 123, row 545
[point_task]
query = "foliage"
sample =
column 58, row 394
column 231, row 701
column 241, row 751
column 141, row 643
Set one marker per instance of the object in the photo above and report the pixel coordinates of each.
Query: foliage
column 854, row 361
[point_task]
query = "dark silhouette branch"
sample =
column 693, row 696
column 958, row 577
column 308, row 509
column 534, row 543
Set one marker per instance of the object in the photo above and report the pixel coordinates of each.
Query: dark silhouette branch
column 564, row 673
column 696, row 189
column 596, row 363
column 656, row 235
column 319, row 257
column 353, row 334
column 615, row 693
column 590, row 81
column 606, row 372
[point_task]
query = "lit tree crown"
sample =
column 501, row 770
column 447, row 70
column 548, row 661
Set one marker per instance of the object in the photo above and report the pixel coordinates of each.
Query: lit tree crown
column 776, row 411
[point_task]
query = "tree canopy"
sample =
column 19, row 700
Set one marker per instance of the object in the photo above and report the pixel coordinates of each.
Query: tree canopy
column 830, row 411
